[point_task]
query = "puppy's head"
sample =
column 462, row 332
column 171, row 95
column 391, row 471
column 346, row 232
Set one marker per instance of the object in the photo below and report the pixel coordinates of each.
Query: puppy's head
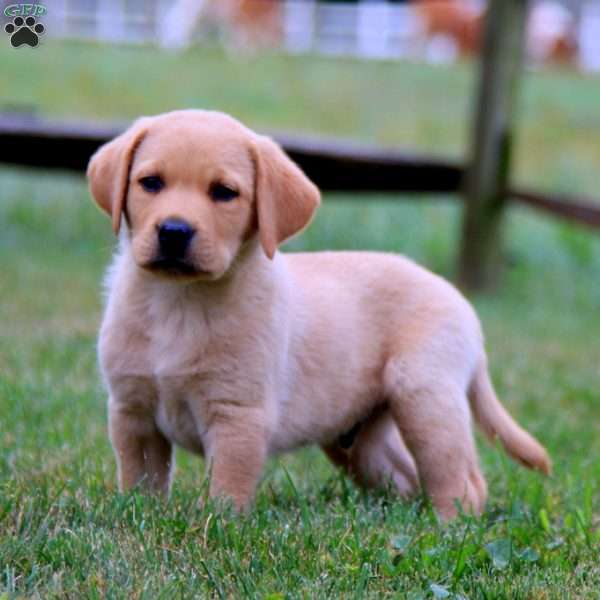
column 194, row 186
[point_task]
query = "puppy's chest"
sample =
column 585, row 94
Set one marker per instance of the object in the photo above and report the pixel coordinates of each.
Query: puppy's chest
column 194, row 373
column 189, row 394
column 182, row 368
column 180, row 413
column 178, row 344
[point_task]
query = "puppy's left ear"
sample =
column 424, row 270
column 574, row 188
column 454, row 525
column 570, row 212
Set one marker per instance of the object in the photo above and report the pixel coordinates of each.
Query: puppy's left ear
column 285, row 197
column 108, row 170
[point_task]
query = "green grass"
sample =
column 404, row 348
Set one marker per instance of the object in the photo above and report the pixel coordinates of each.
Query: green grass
column 65, row 532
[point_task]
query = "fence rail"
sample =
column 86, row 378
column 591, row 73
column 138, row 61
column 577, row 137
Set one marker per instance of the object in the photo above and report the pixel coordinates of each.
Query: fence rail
column 334, row 165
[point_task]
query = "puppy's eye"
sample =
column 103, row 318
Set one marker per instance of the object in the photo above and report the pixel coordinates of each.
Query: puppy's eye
column 152, row 183
column 222, row 193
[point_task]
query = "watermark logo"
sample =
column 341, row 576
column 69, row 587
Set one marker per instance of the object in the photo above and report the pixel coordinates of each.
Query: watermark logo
column 25, row 28
column 25, row 10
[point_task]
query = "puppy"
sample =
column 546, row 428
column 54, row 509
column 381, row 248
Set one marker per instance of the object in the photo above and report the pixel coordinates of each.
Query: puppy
column 215, row 341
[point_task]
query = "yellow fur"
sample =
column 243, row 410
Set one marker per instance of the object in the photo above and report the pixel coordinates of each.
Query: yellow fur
column 258, row 352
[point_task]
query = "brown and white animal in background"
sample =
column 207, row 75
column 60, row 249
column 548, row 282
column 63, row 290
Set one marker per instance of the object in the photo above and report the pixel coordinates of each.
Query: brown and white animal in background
column 460, row 22
column 251, row 24
column 552, row 34
column 247, row 25
column 551, row 28
column 214, row 340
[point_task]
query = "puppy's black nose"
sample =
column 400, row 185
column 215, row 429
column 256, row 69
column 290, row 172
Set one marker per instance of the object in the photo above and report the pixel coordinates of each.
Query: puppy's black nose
column 174, row 238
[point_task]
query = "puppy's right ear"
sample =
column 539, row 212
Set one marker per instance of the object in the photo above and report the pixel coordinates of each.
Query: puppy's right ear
column 109, row 168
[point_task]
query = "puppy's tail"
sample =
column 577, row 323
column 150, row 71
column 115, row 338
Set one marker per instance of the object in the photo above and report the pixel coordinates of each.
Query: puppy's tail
column 495, row 421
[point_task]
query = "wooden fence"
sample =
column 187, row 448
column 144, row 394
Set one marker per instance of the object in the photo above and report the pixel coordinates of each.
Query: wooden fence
column 333, row 165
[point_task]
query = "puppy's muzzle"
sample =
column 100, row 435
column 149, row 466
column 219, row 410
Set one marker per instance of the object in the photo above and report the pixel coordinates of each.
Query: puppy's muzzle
column 174, row 237
column 172, row 253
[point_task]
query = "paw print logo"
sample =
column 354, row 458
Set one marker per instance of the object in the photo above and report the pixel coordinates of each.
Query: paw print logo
column 24, row 31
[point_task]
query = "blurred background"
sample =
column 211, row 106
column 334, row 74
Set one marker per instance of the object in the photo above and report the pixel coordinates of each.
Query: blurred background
column 435, row 31
column 394, row 75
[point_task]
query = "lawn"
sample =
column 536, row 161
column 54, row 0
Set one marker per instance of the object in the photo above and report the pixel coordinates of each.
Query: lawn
column 65, row 531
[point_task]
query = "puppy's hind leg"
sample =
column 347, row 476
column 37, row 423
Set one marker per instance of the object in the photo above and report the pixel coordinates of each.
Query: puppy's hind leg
column 377, row 456
column 432, row 412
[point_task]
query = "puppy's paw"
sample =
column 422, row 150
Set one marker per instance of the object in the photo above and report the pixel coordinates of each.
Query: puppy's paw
column 471, row 500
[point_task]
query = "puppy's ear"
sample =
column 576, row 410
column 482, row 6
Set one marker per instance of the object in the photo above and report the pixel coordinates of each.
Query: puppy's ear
column 108, row 170
column 286, row 199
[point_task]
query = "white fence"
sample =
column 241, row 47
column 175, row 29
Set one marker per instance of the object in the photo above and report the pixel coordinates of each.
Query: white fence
column 370, row 28
column 366, row 29
column 589, row 37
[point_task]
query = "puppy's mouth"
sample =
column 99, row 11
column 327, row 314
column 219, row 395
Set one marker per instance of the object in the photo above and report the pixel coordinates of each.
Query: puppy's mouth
column 174, row 267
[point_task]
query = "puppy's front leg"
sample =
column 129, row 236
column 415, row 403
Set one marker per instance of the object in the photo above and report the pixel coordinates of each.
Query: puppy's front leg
column 236, row 453
column 144, row 455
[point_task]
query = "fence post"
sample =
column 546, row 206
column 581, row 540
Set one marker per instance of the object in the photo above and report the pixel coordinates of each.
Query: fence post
column 488, row 171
